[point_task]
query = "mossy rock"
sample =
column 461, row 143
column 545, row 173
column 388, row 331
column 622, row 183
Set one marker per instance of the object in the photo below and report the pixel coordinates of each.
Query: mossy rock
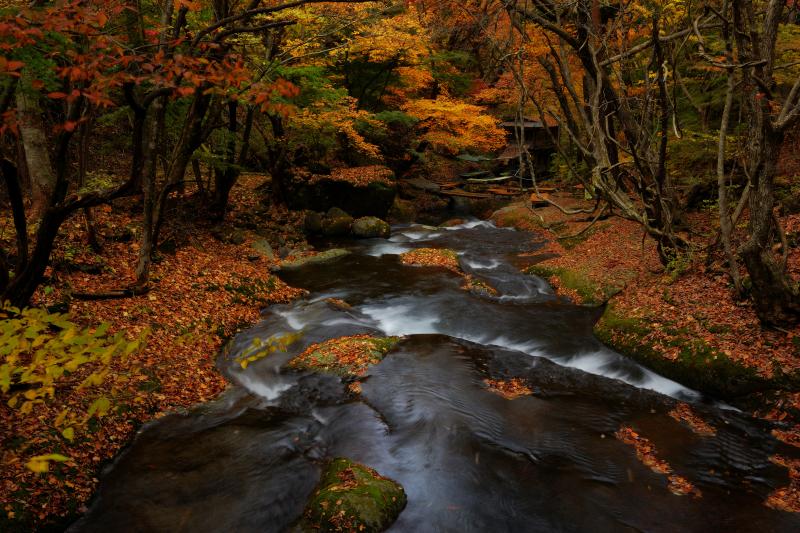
column 371, row 227
column 322, row 257
column 353, row 497
column 312, row 223
column 698, row 365
column 402, row 211
column 516, row 216
column 336, row 212
column 590, row 292
column 337, row 226
column 347, row 357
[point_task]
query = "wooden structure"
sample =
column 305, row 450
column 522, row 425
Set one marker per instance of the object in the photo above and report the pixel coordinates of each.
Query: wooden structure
column 537, row 137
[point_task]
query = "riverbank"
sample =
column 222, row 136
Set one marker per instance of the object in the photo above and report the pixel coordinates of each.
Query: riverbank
column 679, row 320
column 208, row 282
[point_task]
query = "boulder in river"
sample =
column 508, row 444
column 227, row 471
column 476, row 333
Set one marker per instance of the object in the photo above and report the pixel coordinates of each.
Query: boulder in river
column 312, row 223
column 345, row 356
column 371, row 227
column 353, row 497
column 361, row 191
column 322, row 257
column 337, row 226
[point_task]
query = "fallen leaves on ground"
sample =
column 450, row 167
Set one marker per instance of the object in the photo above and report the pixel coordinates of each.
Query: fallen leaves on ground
column 683, row 413
column 200, row 295
column 786, row 498
column 508, row 389
column 647, row 454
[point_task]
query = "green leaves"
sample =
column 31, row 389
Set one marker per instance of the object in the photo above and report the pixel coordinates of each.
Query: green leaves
column 43, row 353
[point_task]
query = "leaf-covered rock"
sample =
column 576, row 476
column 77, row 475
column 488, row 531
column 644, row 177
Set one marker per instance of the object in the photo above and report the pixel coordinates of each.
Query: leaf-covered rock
column 353, row 497
column 344, row 356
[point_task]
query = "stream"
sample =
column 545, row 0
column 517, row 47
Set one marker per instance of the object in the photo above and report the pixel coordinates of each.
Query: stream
column 468, row 459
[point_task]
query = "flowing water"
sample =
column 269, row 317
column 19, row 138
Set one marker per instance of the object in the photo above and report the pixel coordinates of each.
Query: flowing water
column 468, row 459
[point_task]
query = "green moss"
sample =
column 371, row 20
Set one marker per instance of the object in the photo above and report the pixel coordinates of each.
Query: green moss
column 353, row 497
column 345, row 357
column 698, row 365
column 591, row 293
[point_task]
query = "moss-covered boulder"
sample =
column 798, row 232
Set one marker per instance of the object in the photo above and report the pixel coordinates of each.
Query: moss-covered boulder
column 697, row 365
column 322, row 257
column 312, row 223
column 402, row 211
column 371, row 227
column 347, row 357
column 353, row 497
column 337, row 226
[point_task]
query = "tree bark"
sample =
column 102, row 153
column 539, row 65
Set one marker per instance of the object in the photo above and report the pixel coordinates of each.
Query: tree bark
column 37, row 157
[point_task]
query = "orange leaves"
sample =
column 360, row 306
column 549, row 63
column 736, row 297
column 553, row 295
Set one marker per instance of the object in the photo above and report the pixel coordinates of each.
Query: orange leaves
column 509, row 389
column 786, row 498
column 454, row 126
column 439, row 257
column 683, row 413
column 646, row 453
column 345, row 356
column 358, row 176
column 10, row 67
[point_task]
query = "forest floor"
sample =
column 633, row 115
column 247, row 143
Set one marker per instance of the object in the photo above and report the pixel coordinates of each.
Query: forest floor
column 680, row 320
column 207, row 283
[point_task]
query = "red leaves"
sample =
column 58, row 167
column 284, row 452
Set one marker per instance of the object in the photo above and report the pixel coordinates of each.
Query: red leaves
column 683, row 413
column 510, row 389
column 646, row 453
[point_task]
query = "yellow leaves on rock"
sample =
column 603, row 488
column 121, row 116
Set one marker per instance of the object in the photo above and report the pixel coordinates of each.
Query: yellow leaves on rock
column 647, row 454
column 454, row 126
column 260, row 348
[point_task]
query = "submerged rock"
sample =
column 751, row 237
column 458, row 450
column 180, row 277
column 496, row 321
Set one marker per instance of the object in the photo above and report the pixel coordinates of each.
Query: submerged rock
column 322, row 257
column 370, row 227
column 353, row 497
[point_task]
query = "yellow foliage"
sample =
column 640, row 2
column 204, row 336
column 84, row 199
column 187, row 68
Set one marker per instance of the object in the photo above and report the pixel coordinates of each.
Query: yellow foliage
column 455, row 126
column 41, row 353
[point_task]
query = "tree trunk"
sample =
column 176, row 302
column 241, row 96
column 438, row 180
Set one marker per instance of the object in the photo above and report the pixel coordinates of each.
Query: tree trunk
column 37, row 157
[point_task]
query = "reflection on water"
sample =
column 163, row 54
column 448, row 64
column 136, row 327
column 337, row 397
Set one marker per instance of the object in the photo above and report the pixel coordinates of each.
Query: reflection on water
column 468, row 459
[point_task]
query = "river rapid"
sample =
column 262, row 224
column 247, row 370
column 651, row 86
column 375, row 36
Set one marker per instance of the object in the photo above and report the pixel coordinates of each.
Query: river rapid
column 468, row 459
